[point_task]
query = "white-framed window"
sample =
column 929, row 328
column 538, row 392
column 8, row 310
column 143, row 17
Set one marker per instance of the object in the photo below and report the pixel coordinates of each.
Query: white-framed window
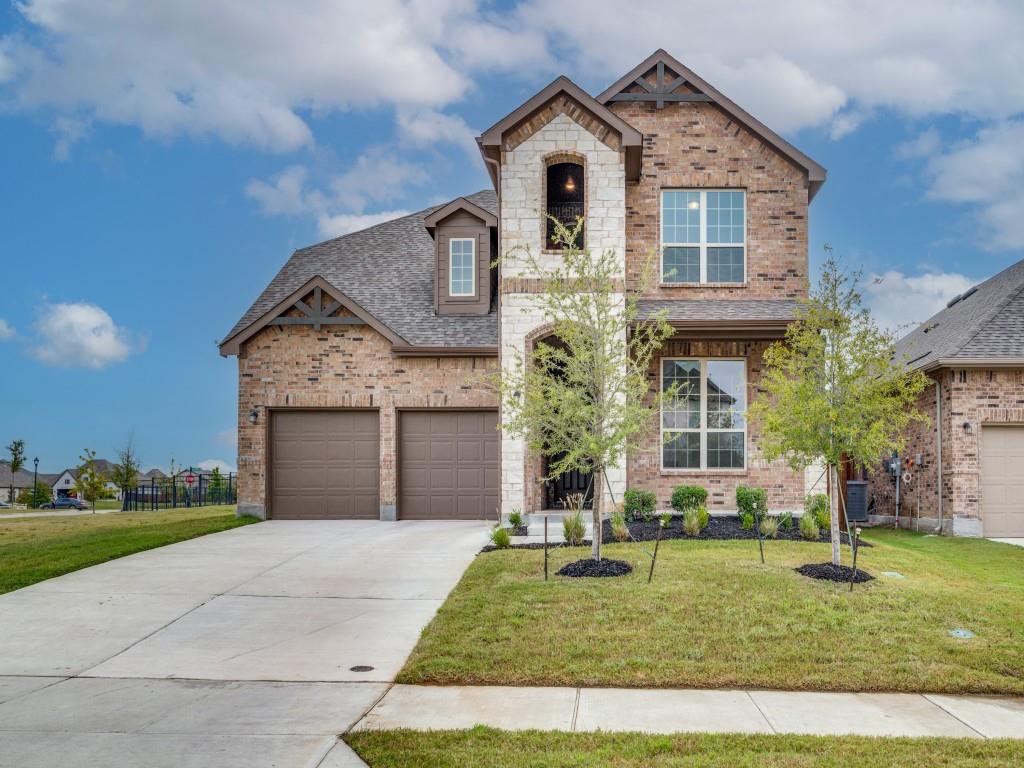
column 704, row 425
column 703, row 236
column 462, row 266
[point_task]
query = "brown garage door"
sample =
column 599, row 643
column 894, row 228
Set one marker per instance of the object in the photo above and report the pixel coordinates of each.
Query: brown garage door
column 324, row 465
column 449, row 465
column 1002, row 478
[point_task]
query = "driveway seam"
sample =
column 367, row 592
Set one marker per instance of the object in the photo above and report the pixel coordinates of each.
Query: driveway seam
column 761, row 711
column 368, row 710
column 575, row 710
column 934, row 703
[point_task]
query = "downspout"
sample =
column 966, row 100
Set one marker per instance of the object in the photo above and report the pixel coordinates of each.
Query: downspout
column 938, row 447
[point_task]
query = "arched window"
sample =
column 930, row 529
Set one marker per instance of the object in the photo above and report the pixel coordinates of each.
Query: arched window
column 565, row 200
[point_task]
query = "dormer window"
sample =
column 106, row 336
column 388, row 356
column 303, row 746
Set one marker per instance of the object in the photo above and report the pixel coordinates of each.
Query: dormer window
column 462, row 266
column 565, row 200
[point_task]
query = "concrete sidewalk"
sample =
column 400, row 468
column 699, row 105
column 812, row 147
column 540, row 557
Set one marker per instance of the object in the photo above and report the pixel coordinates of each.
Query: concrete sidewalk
column 704, row 711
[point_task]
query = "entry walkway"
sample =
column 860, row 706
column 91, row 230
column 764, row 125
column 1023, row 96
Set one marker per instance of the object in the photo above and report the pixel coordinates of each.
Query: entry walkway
column 704, row 711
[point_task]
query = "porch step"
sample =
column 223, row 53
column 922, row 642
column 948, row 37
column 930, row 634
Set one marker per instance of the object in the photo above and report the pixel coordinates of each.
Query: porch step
column 535, row 523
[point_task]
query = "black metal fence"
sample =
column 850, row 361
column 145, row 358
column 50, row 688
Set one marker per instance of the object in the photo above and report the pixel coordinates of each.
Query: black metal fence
column 172, row 492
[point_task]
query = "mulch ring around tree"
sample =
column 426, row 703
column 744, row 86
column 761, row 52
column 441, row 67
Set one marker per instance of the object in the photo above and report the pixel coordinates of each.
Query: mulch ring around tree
column 830, row 572
column 591, row 567
column 718, row 528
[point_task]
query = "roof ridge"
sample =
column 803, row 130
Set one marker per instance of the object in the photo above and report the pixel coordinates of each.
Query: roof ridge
column 996, row 309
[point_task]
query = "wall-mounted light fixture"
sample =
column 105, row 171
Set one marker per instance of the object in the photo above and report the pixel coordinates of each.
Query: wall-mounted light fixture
column 968, row 429
column 254, row 415
column 570, row 184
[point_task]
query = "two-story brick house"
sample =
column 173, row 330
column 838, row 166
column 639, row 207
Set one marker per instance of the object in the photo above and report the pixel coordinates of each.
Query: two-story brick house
column 364, row 365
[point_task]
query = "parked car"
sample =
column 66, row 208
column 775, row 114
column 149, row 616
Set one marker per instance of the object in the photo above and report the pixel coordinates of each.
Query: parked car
column 5, row 505
column 65, row 503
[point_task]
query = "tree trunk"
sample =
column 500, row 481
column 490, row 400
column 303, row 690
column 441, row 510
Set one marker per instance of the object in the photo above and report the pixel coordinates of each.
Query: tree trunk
column 598, row 481
column 833, row 504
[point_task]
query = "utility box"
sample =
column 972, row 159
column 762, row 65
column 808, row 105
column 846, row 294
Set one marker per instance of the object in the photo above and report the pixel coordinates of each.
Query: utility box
column 856, row 501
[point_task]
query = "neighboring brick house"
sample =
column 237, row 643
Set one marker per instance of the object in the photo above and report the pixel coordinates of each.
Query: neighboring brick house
column 365, row 367
column 973, row 446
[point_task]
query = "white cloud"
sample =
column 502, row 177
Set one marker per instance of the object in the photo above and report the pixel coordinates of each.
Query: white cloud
column 987, row 173
column 339, row 204
column 924, row 144
column 6, row 330
column 210, row 464
column 228, row 437
column 81, row 335
column 429, row 127
column 205, row 68
column 899, row 302
column 69, row 131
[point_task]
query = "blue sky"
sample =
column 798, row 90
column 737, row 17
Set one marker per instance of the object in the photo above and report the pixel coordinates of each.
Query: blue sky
column 161, row 161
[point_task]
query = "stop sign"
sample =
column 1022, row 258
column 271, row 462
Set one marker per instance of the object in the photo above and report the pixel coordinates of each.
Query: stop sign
column 190, row 480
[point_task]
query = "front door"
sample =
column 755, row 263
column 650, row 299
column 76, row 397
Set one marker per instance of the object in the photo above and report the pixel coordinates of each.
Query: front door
column 558, row 490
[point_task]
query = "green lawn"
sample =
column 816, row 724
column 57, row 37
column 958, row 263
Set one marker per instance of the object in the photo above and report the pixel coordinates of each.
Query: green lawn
column 716, row 617
column 36, row 548
column 488, row 748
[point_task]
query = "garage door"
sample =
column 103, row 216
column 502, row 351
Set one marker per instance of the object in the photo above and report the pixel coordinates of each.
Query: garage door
column 1002, row 478
column 448, row 465
column 325, row 465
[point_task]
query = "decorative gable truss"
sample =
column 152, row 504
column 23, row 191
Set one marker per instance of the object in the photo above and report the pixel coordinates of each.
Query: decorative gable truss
column 317, row 312
column 663, row 89
column 316, row 304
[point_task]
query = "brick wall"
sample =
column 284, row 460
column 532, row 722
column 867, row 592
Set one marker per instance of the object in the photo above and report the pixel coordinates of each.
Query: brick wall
column 785, row 487
column 352, row 367
column 973, row 396
column 697, row 145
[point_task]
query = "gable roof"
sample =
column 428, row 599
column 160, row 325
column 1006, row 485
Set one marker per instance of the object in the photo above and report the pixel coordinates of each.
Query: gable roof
column 983, row 326
column 431, row 220
column 388, row 271
column 632, row 139
column 815, row 172
column 20, row 479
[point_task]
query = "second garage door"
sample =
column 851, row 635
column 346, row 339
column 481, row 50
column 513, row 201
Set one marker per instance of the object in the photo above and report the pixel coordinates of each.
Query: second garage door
column 325, row 465
column 449, row 465
column 1002, row 478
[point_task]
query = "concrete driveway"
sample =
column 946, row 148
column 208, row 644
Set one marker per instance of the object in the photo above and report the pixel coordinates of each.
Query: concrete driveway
column 245, row 647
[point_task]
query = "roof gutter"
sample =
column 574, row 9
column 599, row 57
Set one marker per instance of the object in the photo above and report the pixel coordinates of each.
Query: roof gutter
column 974, row 362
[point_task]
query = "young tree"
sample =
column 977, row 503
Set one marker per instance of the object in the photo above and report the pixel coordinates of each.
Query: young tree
column 215, row 488
column 16, row 450
column 34, row 498
column 125, row 474
column 833, row 389
column 90, row 482
column 581, row 400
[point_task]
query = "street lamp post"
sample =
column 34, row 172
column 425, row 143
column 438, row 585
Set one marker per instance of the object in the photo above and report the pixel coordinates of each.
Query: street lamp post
column 35, row 479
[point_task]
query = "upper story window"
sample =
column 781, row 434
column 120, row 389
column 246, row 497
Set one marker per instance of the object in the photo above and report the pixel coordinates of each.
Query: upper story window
column 704, row 425
column 565, row 200
column 462, row 266
column 703, row 236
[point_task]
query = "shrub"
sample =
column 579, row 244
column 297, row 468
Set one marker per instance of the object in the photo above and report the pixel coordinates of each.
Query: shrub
column 770, row 526
column 500, row 538
column 574, row 529
column 639, row 504
column 752, row 504
column 786, row 521
column 691, row 522
column 666, row 518
column 816, row 504
column 515, row 518
column 703, row 516
column 686, row 497
column 809, row 527
column 620, row 531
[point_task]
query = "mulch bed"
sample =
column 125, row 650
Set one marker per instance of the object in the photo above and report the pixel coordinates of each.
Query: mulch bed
column 719, row 528
column 590, row 567
column 521, row 530
column 830, row 572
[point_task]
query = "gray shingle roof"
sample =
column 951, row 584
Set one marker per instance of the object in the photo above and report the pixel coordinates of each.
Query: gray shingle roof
column 987, row 324
column 388, row 269
column 711, row 310
column 22, row 478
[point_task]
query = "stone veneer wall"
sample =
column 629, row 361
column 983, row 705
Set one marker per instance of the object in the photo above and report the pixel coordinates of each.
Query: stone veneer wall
column 297, row 367
column 785, row 487
column 970, row 395
column 522, row 226
column 697, row 145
